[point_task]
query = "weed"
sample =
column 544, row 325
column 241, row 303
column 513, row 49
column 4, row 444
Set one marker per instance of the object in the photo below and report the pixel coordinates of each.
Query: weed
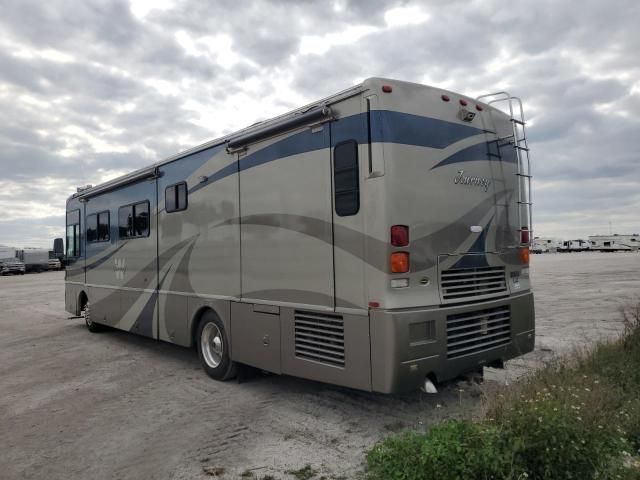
column 305, row 473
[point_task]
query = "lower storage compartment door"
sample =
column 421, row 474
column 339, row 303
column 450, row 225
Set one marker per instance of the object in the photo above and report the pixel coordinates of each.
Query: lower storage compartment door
column 255, row 336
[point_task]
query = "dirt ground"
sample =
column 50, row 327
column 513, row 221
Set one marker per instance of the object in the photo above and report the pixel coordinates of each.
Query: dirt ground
column 112, row 405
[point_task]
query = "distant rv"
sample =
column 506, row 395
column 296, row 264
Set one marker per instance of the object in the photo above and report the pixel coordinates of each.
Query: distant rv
column 615, row 243
column 377, row 239
column 578, row 245
column 546, row 244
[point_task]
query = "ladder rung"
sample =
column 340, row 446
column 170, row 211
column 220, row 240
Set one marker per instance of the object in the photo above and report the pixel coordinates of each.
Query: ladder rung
column 523, row 175
column 494, row 155
column 526, row 149
column 525, row 203
column 519, row 122
column 499, row 139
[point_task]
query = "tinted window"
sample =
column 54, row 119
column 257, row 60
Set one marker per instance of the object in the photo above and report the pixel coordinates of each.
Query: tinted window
column 98, row 227
column 133, row 220
column 175, row 197
column 346, row 178
column 141, row 219
column 103, row 227
column 92, row 227
column 125, row 221
column 73, row 233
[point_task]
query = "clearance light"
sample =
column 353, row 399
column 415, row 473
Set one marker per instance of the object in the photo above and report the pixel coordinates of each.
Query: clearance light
column 374, row 304
column 524, row 235
column 399, row 262
column 399, row 235
column 445, row 98
column 479, row 108
column 387, row 88
column 524, row 255
column 463, row 102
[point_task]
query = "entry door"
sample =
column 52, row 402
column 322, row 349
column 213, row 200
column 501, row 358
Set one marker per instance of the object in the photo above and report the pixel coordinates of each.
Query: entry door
column 286, row 220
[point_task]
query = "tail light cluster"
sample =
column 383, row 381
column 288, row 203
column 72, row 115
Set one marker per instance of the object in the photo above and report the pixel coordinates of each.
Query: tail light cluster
column 400, row 262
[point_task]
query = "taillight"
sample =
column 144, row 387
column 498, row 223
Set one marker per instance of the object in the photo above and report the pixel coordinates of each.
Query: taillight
column 524, row 235
column 399, row 235
column 399, row 262
column 524, row 255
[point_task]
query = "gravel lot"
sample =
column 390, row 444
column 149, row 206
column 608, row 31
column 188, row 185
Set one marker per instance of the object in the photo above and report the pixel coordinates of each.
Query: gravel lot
column 112, row 405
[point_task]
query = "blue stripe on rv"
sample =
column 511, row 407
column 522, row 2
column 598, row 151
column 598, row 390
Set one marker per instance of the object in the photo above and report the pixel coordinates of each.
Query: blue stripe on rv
column 387, row 126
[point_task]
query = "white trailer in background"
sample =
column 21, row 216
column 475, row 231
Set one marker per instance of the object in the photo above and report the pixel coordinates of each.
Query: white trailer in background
column 613, row 243
column 578, row 245
column 546, row 244
column 34, row 259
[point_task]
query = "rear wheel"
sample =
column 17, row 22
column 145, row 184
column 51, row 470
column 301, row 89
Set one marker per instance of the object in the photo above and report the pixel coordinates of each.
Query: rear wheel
column 213, row 348
column 92, row 326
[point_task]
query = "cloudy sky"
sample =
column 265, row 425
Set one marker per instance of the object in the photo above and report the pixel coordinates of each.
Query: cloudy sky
column 91, row 89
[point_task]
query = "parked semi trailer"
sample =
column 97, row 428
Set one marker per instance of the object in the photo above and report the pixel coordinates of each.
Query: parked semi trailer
column 376, row 239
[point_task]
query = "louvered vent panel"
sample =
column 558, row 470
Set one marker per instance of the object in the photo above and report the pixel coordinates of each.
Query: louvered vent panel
column 319, row 337
column 461, row 283
column 479, row 330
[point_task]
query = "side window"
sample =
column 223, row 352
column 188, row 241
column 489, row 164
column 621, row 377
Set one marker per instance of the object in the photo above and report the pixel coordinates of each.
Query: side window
column 133, row 220
column 346, row 178
column 175, row 197
column 73, row 233
column 141, row 219
column 92, row 227
column 98, row 227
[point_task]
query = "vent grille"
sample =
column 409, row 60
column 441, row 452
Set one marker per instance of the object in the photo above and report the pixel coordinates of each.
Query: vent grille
column 461, row 283
column 319, row 337
column 476, row 331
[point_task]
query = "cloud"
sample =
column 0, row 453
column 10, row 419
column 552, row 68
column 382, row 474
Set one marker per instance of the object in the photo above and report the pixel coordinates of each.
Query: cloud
column 91, row 89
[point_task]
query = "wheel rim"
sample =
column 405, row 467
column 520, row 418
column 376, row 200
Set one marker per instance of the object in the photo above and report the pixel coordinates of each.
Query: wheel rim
column 212, row 345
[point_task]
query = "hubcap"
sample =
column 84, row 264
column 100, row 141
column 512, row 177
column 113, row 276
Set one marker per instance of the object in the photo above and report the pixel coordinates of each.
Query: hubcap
column 212, row 345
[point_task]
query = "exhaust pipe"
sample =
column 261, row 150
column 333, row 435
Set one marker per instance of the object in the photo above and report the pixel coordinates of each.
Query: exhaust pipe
column 429, row 386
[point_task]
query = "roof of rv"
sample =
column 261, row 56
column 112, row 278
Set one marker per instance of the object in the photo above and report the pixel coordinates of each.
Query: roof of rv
column 134, row 175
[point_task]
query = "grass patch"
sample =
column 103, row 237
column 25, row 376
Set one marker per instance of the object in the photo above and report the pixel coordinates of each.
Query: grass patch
column 305, row 473
column 576, row 418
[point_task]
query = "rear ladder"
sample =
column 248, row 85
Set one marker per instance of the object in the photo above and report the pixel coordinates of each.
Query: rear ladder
column 519, row 142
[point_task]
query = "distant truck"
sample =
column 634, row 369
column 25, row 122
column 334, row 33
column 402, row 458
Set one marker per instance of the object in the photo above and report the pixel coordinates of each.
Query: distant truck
column 615, row 243
column 9, row 263
column 34, row 259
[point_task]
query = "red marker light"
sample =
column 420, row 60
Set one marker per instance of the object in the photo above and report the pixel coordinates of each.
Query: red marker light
column 445, row 98
column 479, row 108
column 524, row 235
column 463, row 102
column 387, row 88
column 399, row 235
column 374, row 304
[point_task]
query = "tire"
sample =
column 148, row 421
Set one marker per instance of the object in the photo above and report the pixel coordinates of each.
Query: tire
column 92, row 326
column 213, row 348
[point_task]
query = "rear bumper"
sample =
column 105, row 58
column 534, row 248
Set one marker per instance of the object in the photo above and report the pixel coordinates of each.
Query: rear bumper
column 409, row 344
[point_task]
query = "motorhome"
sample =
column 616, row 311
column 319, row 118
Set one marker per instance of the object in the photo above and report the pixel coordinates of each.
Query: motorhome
column 614, row 243
column 376, row 239
column 546, row 244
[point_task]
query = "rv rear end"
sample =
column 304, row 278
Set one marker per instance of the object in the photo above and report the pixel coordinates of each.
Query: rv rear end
column 445, row 198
